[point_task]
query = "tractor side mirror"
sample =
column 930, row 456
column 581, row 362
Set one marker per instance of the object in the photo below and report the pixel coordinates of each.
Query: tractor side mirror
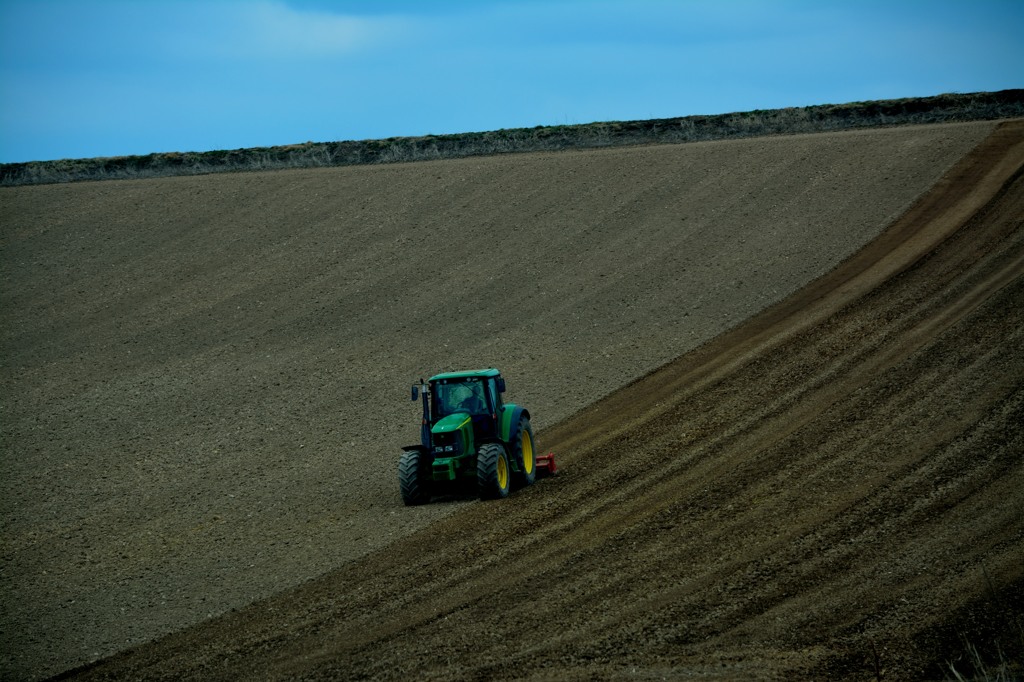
column 415, row 392
column 501, row 384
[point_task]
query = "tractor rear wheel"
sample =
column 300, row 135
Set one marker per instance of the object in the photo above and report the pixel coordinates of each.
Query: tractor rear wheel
column 414, row 477
column 524, row 454
column 493, row 474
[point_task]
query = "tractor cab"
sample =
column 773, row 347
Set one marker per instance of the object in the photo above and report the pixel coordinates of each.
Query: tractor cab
column 477, row 396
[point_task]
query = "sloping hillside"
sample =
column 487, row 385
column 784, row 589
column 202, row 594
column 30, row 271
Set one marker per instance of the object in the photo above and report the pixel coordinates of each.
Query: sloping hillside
column 204, row 382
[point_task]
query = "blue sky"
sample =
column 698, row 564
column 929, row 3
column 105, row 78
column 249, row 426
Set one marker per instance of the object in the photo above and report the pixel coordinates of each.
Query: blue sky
column 89, row 78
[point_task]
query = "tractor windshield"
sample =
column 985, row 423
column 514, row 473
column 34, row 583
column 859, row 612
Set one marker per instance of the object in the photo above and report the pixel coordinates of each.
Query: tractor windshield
column 463, row 395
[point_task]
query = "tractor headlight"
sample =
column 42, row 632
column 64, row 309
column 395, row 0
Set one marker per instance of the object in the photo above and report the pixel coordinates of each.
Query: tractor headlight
column 447, row 445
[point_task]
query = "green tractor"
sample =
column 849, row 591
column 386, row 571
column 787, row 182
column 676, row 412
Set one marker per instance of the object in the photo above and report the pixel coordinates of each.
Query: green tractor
column 469, row 437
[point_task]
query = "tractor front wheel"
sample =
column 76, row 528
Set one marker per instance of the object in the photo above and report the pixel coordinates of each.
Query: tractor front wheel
column 414, row 477
column 493, row 474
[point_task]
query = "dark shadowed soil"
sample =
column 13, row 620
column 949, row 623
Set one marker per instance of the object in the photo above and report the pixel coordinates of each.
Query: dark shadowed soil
column 202, row 389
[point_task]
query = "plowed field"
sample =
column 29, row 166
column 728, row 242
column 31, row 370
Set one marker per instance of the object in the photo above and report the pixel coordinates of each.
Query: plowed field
column 784, row 379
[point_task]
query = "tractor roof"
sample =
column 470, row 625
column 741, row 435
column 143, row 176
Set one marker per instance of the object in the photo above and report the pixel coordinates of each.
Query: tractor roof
column 467, row 374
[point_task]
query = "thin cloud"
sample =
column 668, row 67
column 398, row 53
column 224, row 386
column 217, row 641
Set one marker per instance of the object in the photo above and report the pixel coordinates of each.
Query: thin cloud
column 254, row 30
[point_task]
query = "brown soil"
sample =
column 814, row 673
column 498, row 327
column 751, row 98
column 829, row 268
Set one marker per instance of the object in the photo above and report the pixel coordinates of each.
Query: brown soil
column 201, row 378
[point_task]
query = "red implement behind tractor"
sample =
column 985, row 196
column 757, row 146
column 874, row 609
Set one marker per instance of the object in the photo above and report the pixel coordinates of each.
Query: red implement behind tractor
column 546, row 465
